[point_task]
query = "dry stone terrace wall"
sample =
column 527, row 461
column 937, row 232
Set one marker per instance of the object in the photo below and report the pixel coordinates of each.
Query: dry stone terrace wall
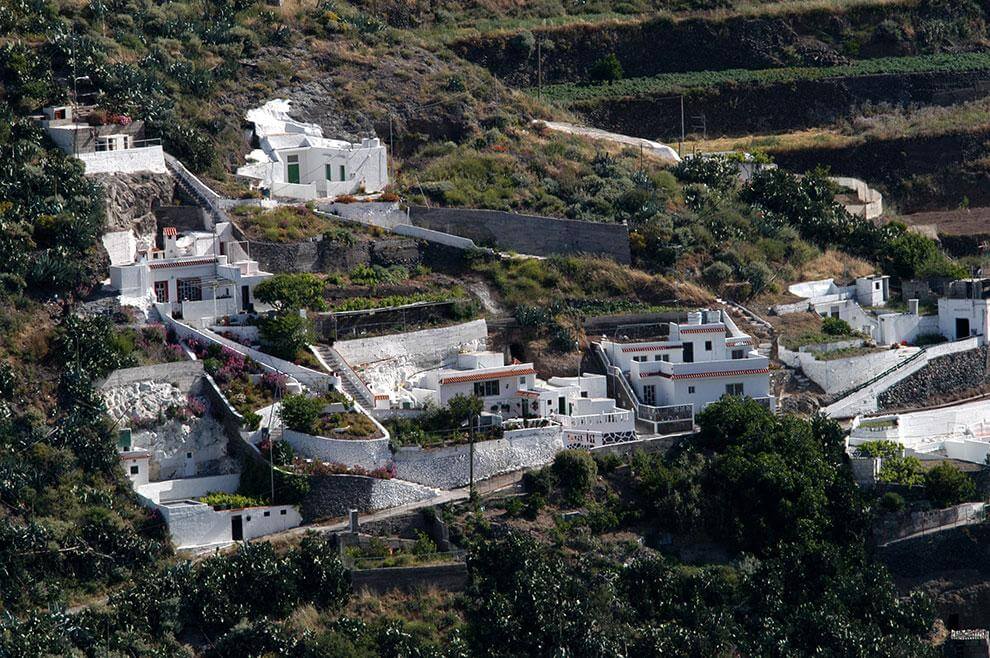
column 320, row 255
column 527, row 234
column 335, row 495
column 944, row 375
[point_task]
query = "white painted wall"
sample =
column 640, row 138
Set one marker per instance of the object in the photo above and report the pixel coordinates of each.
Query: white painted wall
column 838, row 375
column 166, row 490
column 370, row 454
column 148, row 158
column 448, row 468
column 975, row 310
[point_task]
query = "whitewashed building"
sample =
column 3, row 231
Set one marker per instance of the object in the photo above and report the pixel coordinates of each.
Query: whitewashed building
column 200, row 275
column 579, row 404
column 295, row 160
column 110, row 145
column 695, row 363
column 963, row 311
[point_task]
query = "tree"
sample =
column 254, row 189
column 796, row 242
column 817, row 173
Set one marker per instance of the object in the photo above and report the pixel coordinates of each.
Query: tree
column 946, row 485
column 606, row 69
column 906, row 254
column 576, row 474
column 292, row 292
column 286, row 334
column 464, row 407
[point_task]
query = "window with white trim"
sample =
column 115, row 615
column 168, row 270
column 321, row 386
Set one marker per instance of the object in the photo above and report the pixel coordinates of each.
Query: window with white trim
column 734, row 389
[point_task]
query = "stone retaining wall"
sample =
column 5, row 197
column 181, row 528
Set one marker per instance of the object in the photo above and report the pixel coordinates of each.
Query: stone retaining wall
column 449, row 468
column 451, row 577
column 182, row 374
column 943, row 375
column 527, row 234
column 319, row 255
column 335, row 495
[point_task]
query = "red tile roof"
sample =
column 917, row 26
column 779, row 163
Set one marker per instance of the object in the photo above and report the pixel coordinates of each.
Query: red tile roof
column 703, row 375
column 498, row 374
column 170, row 231
column 652, row 348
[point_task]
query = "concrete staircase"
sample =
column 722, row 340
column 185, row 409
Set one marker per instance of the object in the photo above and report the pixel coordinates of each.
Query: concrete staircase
column 352, row 384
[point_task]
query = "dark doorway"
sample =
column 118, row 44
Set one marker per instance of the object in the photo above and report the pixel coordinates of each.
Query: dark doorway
column 688, row 352
column 246, row 298
column 953, row 622
column 236, row 528
column 562, row 406
column 962, row 328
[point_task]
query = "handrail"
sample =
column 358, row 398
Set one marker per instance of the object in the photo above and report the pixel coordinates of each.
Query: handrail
column 897, row 366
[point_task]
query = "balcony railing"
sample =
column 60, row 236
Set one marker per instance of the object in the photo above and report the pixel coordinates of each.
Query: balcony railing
column 108, row 146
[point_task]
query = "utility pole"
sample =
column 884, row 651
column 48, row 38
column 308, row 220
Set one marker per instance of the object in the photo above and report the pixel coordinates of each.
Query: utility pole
column 474, row 418
column 680, row 144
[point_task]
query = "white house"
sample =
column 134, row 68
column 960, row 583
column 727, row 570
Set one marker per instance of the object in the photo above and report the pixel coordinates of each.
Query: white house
column 295, row 160
column 105, row 143
column 202, row 275
column 956, row 432
column 872, row 291
column 579, row 404
column 963, row 310
column 696, row 363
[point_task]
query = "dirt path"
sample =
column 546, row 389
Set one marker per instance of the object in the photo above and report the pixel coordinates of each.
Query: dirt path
column 649, row 147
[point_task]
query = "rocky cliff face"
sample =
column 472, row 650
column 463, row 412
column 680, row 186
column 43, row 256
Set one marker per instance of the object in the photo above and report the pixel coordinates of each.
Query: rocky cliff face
column 130, row 199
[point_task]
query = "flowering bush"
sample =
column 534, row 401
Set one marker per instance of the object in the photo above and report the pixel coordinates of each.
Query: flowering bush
column 120, row 119
column 275, row 382
column 196, row 406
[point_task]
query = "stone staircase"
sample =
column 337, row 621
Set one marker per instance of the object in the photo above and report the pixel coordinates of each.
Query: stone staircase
column 352, row 384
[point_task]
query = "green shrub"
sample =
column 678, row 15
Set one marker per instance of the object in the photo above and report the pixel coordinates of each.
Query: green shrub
column 892, row 502
column 946, row 485
column 222, row 500
column 836, row 327
column 606, row 69
column 301, row 413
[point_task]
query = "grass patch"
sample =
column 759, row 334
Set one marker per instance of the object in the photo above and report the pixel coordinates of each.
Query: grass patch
column 846, row 353
column 282, row 224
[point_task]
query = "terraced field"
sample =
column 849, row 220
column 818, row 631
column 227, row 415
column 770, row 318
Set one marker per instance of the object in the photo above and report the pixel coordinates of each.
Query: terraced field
column 676, row 83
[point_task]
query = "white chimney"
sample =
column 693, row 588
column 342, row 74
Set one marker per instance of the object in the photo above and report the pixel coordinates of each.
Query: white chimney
column 913, row 306
column 170, row 235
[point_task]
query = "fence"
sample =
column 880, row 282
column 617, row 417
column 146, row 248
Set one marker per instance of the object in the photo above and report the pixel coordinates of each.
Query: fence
column 919, row 524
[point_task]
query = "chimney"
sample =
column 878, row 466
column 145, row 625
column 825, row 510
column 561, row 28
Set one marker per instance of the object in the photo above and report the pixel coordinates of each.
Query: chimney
column 170, row 234
column 913, row 306
column 694, row 317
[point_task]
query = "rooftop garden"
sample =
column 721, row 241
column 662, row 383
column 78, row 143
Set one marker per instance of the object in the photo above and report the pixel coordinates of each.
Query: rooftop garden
column 330, row 415
column 220, row 500
column 438, row 426
column 147, row 345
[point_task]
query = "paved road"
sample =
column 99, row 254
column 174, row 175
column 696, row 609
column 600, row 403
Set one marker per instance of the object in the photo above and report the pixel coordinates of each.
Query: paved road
column 657, row 149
